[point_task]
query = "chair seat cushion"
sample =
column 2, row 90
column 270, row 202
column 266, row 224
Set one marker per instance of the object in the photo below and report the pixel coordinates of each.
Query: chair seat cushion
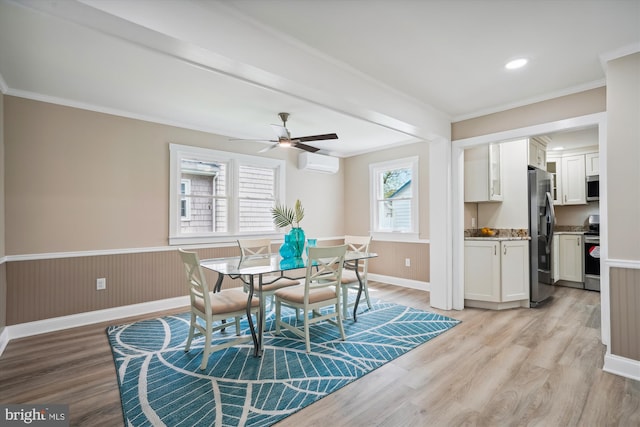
column 296, row 294
column 349, row 276
column 278, row 282
column 227, row 301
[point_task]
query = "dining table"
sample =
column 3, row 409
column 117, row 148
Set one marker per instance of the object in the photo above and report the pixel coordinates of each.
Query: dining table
column 251, row 270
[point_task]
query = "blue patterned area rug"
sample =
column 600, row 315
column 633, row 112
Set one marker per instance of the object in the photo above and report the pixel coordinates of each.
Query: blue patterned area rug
column 160, row 384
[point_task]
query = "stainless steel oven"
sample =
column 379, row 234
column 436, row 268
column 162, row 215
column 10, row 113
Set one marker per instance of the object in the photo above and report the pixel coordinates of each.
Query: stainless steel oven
column 591, row 262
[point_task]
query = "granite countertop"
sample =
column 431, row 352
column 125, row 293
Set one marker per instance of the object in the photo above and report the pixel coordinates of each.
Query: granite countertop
column 501, row 234
column 498, row 238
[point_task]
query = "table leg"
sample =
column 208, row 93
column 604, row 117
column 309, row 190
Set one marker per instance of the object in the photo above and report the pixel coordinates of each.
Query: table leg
column 250, row 319
column 261, row 319
column 360, row 287
column 216, row 288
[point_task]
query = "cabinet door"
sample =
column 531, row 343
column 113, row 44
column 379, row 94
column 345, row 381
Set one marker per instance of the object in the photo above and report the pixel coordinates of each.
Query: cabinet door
column 514, row 272
column 592, row 164
column 483, row 174
column 570, row 257
column 573, row 180
column 554, row 166
column 482, row 270
column 495, row 172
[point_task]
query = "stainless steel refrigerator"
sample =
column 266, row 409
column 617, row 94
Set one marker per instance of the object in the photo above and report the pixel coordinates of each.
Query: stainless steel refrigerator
column 541, row 223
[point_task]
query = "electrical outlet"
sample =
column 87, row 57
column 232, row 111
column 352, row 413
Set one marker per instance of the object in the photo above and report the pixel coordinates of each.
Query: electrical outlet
column 407, row 262
column 473, row 223
column 101, row 284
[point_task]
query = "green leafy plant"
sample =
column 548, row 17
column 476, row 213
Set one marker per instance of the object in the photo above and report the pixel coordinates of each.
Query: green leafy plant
column 284, row 216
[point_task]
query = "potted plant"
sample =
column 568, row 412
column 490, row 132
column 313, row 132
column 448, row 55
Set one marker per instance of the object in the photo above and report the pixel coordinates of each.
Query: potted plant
column 284, row 216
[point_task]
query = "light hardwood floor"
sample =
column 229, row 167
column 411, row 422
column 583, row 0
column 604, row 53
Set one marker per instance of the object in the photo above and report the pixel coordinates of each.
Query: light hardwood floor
column 520, row 367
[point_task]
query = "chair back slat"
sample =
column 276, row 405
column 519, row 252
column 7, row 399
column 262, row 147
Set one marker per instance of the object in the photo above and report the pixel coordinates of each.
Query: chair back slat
column 250, row 247
column 198, row 288
column 324, row 267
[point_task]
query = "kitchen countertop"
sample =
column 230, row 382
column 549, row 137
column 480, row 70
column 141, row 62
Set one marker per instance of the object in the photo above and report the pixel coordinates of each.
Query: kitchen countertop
column 499, row 238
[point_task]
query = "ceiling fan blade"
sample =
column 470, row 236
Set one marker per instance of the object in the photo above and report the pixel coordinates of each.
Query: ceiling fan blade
column 280, row 131
column 271, row 147
column 317, row 137
column 252, row 140
column 306, row 147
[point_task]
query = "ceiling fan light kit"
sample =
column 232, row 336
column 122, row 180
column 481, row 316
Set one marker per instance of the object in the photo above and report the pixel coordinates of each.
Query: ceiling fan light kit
column 285, row 139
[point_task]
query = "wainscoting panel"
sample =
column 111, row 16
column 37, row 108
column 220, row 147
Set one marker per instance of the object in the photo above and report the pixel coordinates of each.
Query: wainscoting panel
column 3, row 296
column 624, row 284
column 391, row 260
column 42, row 289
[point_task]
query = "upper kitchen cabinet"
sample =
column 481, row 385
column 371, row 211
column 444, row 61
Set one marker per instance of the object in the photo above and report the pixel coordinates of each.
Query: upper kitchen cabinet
column 573, row 180
column 592, row 164
column 538, row 152
column 483, row 174
column 554, row 167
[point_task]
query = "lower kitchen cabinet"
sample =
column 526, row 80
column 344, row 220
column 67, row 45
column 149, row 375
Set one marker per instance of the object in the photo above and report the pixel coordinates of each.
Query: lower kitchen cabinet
column 570, row 257
column 496, row 273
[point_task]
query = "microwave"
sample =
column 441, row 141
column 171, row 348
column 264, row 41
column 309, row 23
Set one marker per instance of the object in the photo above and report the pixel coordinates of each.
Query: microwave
column 593, row 188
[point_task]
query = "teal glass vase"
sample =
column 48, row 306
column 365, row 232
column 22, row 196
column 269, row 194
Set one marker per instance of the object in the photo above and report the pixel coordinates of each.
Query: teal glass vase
column 297, row 240
column 286, row 250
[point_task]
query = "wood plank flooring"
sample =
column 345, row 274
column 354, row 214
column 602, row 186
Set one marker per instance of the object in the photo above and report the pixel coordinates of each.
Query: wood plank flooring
column 520, row 367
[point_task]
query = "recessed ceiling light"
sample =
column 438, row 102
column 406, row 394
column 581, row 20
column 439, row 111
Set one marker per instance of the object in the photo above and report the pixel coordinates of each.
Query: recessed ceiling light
column 516, row 63
column 558, row 148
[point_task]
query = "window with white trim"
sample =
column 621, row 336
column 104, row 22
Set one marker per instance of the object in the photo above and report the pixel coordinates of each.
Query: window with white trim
column 217, row 195
column 394, row 199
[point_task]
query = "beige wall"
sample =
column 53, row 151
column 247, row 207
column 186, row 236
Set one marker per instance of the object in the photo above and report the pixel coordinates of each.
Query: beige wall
column 77, row 180
column 356, row 183
column 392, row 255
column 623, row 157
column 576, row 215
column 575, row 105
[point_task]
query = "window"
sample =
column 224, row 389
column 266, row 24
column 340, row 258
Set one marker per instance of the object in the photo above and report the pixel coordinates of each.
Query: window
column 185, row 208
column 216, row 195
column 394, row 199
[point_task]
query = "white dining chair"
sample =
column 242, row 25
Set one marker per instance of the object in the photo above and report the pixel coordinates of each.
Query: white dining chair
column 321, row 289
column 270, row 283
column 212, row 307
column 349, row 278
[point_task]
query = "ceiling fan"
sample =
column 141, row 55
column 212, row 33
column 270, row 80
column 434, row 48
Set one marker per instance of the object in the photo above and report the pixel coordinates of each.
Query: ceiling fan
column 285, row 139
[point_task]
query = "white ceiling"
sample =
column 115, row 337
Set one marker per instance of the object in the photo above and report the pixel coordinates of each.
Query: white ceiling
column 376, row 72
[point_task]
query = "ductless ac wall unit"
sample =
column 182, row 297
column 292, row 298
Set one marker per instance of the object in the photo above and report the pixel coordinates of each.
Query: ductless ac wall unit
column 318, row 163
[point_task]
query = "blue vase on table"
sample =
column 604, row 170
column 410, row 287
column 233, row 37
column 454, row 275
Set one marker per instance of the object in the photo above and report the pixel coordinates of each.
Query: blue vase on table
column 297, row 240
column 286, row 250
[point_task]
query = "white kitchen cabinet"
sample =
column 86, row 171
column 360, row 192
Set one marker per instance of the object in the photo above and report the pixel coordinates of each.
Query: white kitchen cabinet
column 537, row 153
column 573, row 180
column 592, row 164
column 496, row 271
column 554, row 167
column 483, row 174
column 570, row 257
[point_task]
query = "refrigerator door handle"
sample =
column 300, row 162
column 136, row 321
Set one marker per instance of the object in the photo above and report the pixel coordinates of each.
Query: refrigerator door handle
column 551, row 224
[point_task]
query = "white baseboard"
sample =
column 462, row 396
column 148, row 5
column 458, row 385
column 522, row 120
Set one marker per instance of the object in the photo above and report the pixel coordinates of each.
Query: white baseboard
column 622, row 366
column 4, row 339
column 406, row 283
column 88, row 318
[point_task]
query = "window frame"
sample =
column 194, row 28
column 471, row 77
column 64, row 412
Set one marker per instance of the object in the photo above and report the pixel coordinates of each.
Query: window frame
column 394, row 235
column 187, row 191
column 177, row 152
